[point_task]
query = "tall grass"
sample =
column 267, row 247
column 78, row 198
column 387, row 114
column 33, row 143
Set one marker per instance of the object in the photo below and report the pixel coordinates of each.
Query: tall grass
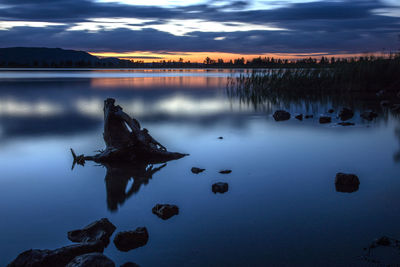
column 362, row 76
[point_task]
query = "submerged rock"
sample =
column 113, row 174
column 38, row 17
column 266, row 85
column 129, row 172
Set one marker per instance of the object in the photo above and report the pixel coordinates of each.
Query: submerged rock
column 281, row 115
column 225, row 171
column 325, row 119
column 309, row 116
column 331, row 110
column 369, row 115
column 220, row 187
column 345, row 123
column 299, row 117
column 196, row 170
column 347, row 183
column 165, row 211
column 128, row 240
column 91, row 260
column 98, row 231
column 54, row 258
column 346, row 114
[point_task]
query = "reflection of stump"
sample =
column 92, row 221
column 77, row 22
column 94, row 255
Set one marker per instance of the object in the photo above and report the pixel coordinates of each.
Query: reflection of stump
column 126, row 141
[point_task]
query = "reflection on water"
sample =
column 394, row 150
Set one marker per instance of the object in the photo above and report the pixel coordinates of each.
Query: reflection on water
column 118, row 177
column 281, row 197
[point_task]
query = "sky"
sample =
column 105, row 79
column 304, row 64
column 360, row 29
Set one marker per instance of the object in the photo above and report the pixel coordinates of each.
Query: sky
column 193, row 29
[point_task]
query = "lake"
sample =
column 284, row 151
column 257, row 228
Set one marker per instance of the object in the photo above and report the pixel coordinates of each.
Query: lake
column 281, row 209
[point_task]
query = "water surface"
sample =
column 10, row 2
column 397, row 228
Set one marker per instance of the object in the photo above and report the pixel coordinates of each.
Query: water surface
column 281, row 209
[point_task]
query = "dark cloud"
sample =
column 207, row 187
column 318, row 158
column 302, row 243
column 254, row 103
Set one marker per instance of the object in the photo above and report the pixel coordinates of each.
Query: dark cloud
column 325, row 26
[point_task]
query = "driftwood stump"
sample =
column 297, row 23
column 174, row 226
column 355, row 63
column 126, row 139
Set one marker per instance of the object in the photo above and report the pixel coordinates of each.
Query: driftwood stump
column 126, row 141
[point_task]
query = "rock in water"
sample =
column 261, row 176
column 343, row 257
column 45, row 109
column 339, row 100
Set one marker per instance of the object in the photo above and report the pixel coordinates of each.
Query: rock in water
column 347, row 183
column 299, row 117
column 309, row 116
column 369, row 115
column 54, row 258
column 345, row 123
column 91, row 260
column 346, row 114
column 220, row 138
column 281, row 115
column 98, row 231
column 128, row 240
column 196, row 170
column 165, row 211
column 331, row 110
column 225, row 171
column 130, row 264
column 325, row 119
column 219, row 187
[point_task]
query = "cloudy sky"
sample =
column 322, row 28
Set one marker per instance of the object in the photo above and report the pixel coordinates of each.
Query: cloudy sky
column 193, row 29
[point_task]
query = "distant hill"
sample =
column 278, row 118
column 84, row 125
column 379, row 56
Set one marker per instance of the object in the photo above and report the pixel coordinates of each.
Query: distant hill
column 54, row 57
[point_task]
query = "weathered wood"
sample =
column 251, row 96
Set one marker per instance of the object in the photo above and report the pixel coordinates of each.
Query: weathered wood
column 126, row 141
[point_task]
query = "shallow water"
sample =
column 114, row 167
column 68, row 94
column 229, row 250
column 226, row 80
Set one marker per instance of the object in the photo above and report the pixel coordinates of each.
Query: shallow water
column 281, row 209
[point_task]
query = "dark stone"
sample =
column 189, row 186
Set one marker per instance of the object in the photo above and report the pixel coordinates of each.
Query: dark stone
column 130, row 264
column 54, row 258
column 346, row 114
column 91, row 260
column 383, row 241
column 346, row 179
column 225, row 171
column 325, row 119
column 369, row 115
column 309, row 116
column 398, row 94
column 128, row 240
column 220, row 187
column 345, row 123
column 347, row 188
column 299, row 117
column 165, row 211
column 100, row 230
column 220, row 138
column 281, row 115
column 197, row 170
column 385, row 103
column 331, row 111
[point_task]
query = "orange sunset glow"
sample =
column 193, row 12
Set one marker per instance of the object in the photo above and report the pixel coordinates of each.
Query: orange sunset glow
column 199, row 57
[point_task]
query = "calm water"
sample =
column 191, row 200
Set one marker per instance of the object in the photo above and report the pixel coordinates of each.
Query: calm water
column 281, row 209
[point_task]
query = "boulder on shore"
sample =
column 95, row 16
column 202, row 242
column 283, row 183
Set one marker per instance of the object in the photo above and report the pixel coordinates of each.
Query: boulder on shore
column 54, row 258
column 165, row 211
column 325, row 119
column 281, row 115
column 128, row 240
column 90, row 260
column 346, row 114
column 98, row 231
column 220, row 187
